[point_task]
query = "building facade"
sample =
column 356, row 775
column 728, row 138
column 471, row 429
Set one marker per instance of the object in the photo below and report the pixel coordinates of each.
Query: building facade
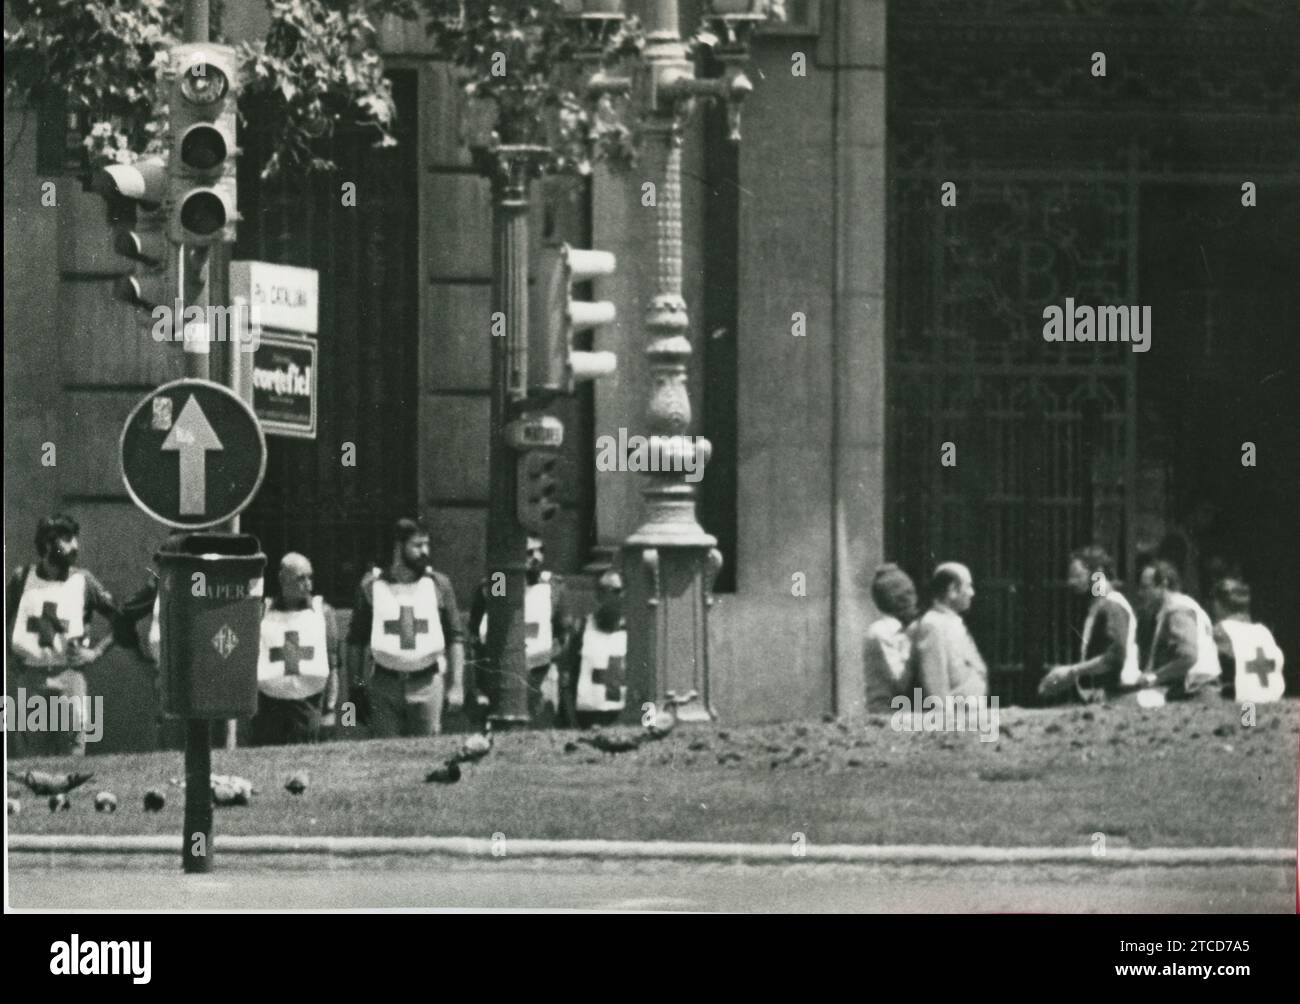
column 847, row 325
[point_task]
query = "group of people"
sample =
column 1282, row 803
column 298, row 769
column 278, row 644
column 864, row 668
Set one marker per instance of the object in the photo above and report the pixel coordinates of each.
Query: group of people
column 1188, row 654
column 404, row 652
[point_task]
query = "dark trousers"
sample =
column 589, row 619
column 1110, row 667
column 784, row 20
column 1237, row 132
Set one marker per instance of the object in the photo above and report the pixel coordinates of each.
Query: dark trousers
column 48, row 684
column 281, row 722
column 406, row 704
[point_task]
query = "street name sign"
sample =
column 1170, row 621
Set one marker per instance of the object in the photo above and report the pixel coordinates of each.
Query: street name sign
column 283, row 297
column 192, row 454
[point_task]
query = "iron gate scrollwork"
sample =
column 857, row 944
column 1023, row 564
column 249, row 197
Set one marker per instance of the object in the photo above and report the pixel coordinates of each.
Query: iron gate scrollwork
column 1043, row 455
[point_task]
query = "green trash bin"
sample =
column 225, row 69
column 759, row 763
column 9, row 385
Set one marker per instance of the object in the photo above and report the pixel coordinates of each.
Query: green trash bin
column 210, row 608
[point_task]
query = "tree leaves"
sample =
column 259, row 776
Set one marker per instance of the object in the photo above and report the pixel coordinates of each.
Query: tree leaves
column 317, row 69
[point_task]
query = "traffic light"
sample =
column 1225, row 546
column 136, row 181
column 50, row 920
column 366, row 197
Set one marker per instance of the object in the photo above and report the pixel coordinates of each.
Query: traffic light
column 203, row 203
column 554, row 365
column 535, row 503
column 143, row 186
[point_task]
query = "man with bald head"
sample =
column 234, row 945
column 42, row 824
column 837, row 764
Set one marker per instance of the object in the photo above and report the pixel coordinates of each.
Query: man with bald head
column 297, row 671
column 944, row 659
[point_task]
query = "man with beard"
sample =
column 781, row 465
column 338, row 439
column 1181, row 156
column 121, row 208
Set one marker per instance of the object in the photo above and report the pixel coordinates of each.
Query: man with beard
column 49, row 607
column 592, row 680
column 545, row 625
column 406, row 614
column 888, row 645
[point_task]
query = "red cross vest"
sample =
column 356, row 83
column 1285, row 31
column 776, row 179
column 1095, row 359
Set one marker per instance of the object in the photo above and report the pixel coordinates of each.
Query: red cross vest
column 596, row 691
column 293, row 639
column 537, row 622
column 1259, row 661
column 1131, row 671
column 1206, row 667
column 50, row 614
column 406, row 631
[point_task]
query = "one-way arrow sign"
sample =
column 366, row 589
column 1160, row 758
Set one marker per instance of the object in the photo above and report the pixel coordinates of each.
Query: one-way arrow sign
column 192, row 437
column 219, row 451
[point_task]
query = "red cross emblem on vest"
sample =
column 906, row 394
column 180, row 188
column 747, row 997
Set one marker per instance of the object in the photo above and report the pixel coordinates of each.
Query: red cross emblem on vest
column 612, row 677
column 291, row 653
column 407, row 626
column 1261, row 666
column 47, row 626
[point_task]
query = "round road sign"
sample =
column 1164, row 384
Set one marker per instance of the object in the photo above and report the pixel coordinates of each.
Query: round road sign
column 193, row 454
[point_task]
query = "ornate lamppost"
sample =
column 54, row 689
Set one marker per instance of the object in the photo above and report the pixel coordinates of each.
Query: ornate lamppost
column 671, row 562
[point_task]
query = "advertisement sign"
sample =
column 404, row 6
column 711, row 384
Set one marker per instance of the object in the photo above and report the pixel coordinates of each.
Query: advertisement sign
column 284, row 385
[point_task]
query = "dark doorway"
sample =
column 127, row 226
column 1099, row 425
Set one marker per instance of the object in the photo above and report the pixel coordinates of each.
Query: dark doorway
column 1223, row 282
column 367, row 256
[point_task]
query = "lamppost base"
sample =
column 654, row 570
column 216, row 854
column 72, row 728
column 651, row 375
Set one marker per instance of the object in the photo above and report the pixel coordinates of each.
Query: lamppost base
column 669, row 582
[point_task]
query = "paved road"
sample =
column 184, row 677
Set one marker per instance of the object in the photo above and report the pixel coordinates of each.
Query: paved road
column 590, row 885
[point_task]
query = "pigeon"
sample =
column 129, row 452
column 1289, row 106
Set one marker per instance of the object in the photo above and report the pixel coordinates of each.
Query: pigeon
column 476, row 747
column 665, row 720
column 13, row 806
column 227, row 789
column 60, row 801
column 607, row 743
column 154, row 800
column 42, row 783
column 297, row 784
column 105, row 801
column 448, row 773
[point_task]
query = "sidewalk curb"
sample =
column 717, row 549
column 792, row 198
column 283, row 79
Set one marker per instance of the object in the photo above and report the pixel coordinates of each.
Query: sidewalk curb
column 477, row 847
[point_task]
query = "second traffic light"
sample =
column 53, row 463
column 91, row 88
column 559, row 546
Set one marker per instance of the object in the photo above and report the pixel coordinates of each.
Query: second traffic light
column 535, row 504
column 140, row 190
column 554, row 365
column 203, row 197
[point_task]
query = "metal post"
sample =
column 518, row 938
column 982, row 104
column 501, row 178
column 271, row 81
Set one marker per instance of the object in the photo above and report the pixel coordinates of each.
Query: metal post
column 511, row 168
column 196, row 851
column 196, row 21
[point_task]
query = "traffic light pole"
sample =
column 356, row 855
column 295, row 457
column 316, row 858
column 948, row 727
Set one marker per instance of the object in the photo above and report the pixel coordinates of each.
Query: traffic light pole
column 196, row 848
column 511, row 169
column 195, row 27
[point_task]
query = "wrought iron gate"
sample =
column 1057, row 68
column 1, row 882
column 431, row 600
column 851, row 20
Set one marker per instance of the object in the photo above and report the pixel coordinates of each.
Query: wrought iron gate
column 1038, row 432
column 1049, row 163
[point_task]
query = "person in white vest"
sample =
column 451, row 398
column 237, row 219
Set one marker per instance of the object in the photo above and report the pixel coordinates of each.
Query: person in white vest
column 1251, row 660
column 888, row 646
column 406, row 615
column 593, row 679
column 49, row 607
column 297, row 668
column 545, row 625
column 1108, row 654
column 1182, row 660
